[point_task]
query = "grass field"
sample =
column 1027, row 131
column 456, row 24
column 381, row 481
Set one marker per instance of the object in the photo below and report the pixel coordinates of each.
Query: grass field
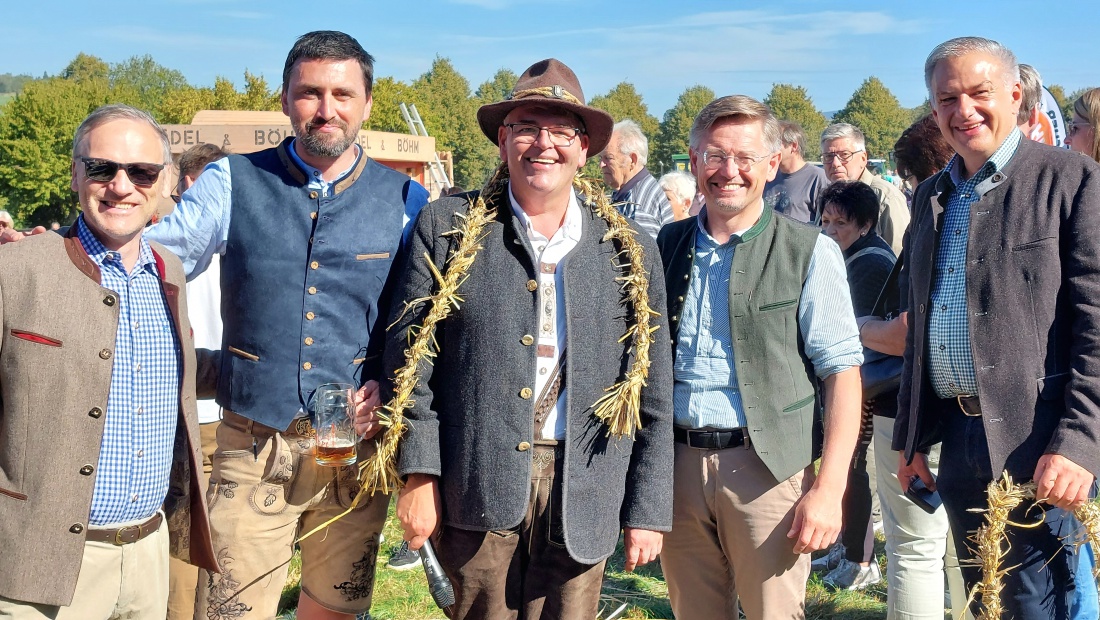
column 404, row 595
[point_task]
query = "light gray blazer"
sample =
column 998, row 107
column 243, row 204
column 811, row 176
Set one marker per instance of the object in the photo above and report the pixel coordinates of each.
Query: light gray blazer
column 469, row 416
column 56, row 361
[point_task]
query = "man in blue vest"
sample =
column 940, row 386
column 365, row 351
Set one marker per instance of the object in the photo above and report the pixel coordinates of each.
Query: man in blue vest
column 307, row 231
column 760, row 313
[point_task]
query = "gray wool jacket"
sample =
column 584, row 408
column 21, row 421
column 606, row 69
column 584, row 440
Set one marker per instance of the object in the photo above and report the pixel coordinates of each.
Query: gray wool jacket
column 470, row 419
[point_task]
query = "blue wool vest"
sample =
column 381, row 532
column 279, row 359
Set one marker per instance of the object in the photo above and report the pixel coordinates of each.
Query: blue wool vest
column 301, row 280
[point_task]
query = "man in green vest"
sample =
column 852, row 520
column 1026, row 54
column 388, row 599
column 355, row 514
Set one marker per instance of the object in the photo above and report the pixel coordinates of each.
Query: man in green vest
column 760, row 316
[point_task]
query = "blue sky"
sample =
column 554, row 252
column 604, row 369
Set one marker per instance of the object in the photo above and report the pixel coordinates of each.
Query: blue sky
column 660, row 47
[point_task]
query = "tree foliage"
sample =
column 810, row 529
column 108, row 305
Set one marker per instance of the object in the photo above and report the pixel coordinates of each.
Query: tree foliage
column 876, row 111
column 624, row 102
column 793, row 103
column 675, row 127
column 13, row 83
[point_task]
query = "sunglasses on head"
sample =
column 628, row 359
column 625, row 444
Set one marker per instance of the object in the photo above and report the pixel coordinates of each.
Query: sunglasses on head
column 104, row 171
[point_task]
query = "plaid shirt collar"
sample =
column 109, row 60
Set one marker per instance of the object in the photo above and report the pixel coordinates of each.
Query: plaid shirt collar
column 952, row 176
column 100, row 254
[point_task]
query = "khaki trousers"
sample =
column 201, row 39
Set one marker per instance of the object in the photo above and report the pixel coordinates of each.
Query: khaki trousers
column 524, row 572
column 124, row 582
column 183, row 578
column 729, row 538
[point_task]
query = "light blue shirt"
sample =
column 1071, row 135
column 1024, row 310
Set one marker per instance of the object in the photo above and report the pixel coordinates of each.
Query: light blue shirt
column 706, row 393
column 135, row 455
column 198, row 227
column 950, row 360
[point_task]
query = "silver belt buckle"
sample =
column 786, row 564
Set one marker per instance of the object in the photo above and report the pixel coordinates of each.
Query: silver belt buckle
column 959, row 400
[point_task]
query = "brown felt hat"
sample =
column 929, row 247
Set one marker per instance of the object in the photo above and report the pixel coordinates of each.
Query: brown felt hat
column 551, row 84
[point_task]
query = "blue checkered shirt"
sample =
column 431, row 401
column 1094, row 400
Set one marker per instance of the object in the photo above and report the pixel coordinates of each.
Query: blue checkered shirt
column 135, row 456
column 950, row 362
column 706, row 393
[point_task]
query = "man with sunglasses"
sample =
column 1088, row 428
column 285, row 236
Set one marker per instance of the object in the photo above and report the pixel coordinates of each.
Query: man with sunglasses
column 760, row 314
column 503, row 450
column 844, row 155
column 100, row 447
column 308, row 231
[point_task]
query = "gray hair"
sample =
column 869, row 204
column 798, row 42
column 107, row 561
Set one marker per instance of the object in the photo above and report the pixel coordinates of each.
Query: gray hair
column 742, row 109
column 962, row 46
column 837, row 131
column 631, row 140
column 118, row 112
column 1031, row 87
column 6, row 217
column 791, row 133
column 680, row 183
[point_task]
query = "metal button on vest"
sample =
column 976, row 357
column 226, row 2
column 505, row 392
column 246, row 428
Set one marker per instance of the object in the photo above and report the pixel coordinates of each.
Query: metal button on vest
column 307, row 366
column 525, row 393
column 95, row 412
column 523, row 446
column 87, row 470
column 76, row 528
column 532, row 286
column 687, row 277
column 109, row 300
column 922, row 308
column 313, row 215
column 105, row 354
column 314, row 265
column 680, row 298
column 313, row 195
column 310, row 316
column 527, row 340
column 309, row 341
column 312, row 290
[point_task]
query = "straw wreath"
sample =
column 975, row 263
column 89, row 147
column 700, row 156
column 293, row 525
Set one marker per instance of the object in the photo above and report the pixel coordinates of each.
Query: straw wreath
column 1005, row 496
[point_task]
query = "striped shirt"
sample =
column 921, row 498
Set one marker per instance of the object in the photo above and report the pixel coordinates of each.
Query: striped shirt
column 643, row 200
column 950, row 361
column 706, row 393
column 135, row 456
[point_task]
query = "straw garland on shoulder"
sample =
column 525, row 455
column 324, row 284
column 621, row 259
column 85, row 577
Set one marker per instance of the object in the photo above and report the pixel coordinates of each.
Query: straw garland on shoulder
column 619, row 409
column 1005, row 496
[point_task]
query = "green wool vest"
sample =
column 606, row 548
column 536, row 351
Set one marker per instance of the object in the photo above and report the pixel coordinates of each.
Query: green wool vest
column 777, row 382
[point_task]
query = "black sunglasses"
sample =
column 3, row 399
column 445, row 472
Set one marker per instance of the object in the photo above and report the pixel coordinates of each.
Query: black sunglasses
column 104, row 171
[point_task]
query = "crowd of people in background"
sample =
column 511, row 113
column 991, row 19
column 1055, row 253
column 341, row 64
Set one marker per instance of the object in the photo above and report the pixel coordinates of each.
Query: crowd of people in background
column 727, row 367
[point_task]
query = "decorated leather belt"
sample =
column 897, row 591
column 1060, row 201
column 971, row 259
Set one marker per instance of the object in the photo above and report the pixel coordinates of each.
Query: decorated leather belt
column 125, row 535
column 709, row 440
column 236, row 421
column 969, row 405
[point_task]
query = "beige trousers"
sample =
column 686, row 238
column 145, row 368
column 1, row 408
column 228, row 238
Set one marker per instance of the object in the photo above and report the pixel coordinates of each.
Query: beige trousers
column 183, row 578
column 127, row 582
column 729, row 538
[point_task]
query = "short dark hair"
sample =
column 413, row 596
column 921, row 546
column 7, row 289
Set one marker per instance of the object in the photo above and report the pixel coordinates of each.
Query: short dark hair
column 329, row 45
column 855, row 200
column 194, row 159
column 921, row 150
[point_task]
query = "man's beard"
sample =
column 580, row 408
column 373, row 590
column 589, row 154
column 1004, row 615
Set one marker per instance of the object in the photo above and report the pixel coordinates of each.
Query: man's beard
column 327, row 145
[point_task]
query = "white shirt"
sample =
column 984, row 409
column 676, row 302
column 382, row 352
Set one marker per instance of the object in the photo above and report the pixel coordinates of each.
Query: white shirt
column 204, row 302
column 551, row 321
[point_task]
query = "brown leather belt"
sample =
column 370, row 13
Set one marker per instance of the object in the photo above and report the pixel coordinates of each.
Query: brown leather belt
column 709, row 440
column 969, row 405
column 126, row 535
column 236, row 421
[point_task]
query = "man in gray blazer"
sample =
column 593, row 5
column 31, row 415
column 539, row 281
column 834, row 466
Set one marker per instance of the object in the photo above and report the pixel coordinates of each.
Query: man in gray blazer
column 504, row 447
column 1003, row 356
column 100, row 449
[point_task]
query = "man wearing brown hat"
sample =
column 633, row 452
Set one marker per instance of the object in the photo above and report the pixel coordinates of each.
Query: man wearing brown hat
column 551, row 431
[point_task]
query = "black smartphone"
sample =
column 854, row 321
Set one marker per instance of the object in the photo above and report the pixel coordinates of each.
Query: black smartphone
column 920, row 495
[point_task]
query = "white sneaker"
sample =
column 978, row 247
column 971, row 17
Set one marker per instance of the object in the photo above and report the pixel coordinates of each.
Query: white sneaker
column 850, row 575
column 830, row 560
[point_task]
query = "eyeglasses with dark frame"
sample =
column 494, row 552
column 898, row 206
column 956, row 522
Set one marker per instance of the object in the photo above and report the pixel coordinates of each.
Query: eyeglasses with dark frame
column 843, row 156
column 105, row 170
column 1073, row 128
column 713, row 159
column 560, row 135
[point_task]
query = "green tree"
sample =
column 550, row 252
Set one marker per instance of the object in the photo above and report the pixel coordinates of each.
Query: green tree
column 793, row 103
column 876, row 111
column 917, row 113
column 257, row 96
column 675, row 128
column 385, row 114
column 85, row 68
column 624, row 102
column 13, row 83
column 149, row 81
column 496, row 88
column 1059, row 94
column 36, row 140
